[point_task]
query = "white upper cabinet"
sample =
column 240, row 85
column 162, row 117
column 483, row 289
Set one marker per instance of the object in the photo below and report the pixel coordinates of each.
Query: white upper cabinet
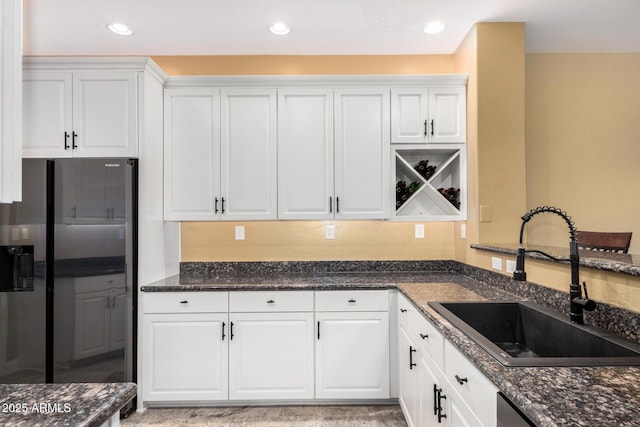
column 220, row 154
column 305, row 153
column 333, row 153
column 192, row 154
column 436, row 115
column 308, row 147
column 248, row 144
column 448, row 114
column 80, row 113
column 362, row 153
column 10, row 101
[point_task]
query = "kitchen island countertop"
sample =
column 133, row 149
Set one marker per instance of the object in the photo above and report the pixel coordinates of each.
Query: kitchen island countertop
column 77, row 404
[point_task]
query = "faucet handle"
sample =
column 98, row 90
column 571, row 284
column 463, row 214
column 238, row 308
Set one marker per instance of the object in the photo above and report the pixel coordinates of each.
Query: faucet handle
column 584, row 287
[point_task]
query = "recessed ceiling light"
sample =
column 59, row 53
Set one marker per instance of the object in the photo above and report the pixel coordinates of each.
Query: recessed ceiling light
column 434, row 27
column 120, row 29
column 279, row 28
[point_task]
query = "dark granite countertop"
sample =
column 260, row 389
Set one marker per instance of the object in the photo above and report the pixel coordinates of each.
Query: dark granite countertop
column 81, row 404
column 294, row 281
column 550, row 396
column 614, row 262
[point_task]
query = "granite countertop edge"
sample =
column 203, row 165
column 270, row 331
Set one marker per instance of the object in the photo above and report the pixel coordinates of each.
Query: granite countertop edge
column 613, row 262
column 65, row 404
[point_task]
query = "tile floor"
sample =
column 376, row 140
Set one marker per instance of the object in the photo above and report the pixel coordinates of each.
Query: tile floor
column 272, row 416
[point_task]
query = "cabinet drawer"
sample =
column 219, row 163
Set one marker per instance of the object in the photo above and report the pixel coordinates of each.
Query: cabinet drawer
column 427, row 337
column 270, row 301
column 186, row 302
column 472, row 386
column 368, row 300
column 405, row 309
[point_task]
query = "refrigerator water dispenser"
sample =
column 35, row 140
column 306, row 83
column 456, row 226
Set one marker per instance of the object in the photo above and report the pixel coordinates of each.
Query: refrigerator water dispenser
column 16, row 268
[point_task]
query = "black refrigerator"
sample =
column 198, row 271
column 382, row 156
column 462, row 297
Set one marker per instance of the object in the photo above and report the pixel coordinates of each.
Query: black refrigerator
column 68, row 274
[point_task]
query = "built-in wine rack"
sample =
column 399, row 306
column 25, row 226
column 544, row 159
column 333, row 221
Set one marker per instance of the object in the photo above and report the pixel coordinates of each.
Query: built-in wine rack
column 429, row 182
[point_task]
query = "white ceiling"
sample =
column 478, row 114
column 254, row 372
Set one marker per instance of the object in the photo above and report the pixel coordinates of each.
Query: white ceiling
column 239, row 27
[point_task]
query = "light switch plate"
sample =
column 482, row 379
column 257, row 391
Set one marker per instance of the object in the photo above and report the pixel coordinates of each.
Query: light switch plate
column 239, row 232
column 496, row 263
column 511, row 266
column 463, row 231
column 330, row 231
column 419, row 231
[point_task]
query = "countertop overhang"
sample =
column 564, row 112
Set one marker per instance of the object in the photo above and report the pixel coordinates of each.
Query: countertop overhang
column 76, row 404
column 605, row 261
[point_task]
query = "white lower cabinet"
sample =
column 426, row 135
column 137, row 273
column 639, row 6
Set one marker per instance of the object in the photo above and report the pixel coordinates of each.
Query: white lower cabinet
column 436, row 390
column 185, row 349
column 352, row 347
column 271, row 345
column 271, row 356
column 408, row 377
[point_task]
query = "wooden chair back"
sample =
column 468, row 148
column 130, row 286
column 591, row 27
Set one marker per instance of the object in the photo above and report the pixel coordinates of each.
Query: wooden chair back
column 604, row 241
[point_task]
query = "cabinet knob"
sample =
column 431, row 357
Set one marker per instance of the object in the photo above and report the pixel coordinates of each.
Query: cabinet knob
column 184, row 302
column 270, row 301
column 403, row 310
column 352, row 301
column 424, row 336
column 461, row 381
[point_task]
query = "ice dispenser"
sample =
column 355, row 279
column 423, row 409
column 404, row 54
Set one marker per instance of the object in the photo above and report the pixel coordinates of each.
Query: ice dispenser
column 16, row 268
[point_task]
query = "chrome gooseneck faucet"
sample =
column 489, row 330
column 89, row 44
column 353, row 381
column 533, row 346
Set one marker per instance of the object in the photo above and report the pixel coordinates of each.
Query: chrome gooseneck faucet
column 578, row 303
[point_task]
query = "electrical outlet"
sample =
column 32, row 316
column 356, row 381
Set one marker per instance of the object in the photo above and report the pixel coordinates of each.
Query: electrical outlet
column 496, row 263
column 419, row 231
column 15, row 234
column 330, row 231
column 463, row 231
column 239, row 232
column 511, row 266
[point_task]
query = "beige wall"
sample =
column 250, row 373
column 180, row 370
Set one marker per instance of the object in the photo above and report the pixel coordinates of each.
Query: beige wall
column 304, row 240
column 304, row 65
column 583, row 143
column 493, row 57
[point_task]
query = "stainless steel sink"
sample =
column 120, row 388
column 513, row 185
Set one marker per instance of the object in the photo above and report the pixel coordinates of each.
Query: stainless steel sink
column 528, row 334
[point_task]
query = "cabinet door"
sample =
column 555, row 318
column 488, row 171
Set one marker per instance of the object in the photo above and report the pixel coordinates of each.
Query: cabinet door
column 447, row 114
column 352, row 355
column 271, row 356
column 105, row 114
column 248, row 153
column 47, row 113
column 92, row 327
column 408, row 376
column 430, row 387
column 362, row 153
column 185, row 357
column 409, row 116
column 191, row 154
column 305, row 154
